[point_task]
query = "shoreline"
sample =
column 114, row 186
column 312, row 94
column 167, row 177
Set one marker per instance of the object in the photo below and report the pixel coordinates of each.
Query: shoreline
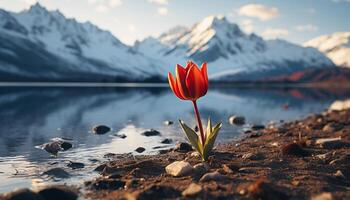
column 272, row 163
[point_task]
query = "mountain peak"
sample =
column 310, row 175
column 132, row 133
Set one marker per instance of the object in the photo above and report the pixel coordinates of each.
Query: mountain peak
column 37, row 8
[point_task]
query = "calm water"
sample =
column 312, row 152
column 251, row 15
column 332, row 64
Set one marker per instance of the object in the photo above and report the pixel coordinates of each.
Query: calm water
column 31, row 116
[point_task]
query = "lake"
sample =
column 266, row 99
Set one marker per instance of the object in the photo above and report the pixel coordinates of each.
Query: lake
column 31, row 116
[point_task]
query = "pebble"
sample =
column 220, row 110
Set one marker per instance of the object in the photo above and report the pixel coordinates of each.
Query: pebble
column 151, row 132
column 166, row 141
column 75, row 165
column 58, row 193
column 122, row 136
column 192, row 190
column 183, row 147
column 195, row 154
column 168, row 122
column 229, row 168
column 213, row 176
column 339, row 174
column 100, row 129
column 257, row 127
column 55, row 146
column 140, row 149
column 179, row 168
column 237, row 120
column 323, row 196
column 328, row 128
column 57, row 173
column 20, row 194
column 201, row 168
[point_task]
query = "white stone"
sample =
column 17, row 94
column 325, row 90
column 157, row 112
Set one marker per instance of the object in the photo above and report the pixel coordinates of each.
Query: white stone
column 192, row 190
column 179, row 168
column 323, row 196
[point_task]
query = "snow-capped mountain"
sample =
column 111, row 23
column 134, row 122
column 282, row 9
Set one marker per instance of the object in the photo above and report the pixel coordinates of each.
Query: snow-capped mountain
column 336, row 46
column 232, row 54
column 37, row 43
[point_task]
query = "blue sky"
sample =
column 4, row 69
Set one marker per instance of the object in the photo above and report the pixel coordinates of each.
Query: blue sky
column 129, row 20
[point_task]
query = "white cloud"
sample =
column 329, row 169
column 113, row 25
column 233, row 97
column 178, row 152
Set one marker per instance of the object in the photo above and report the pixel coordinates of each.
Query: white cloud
column 273, row 33
column 92, row 1
column 259, row 11
column 115, row 3
column 163, row 11
column 247, row 25
column 306, row 28
column 159, row 2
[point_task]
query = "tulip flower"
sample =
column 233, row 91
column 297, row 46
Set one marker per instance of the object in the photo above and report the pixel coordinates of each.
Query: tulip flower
column 191, row 83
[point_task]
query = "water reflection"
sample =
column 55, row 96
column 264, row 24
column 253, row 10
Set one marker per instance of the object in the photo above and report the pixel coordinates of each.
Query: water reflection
column 32, row 116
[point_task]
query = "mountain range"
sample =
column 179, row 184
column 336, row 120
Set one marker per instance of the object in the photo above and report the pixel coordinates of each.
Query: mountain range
column 41, row 45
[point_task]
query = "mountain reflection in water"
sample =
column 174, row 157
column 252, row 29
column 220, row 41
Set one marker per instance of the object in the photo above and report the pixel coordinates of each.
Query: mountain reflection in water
column 32, row 116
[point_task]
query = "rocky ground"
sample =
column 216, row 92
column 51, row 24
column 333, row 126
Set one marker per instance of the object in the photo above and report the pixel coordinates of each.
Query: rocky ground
column 306, row 159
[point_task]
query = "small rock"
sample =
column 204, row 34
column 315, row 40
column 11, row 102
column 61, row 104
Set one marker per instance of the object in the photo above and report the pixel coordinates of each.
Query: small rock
column 57, row 173
column 122, row 136
column 22, row 194
column 151, row 132
column 339, row 174
column 323, row 196
column 192, row 190
column 196, row 128
column 166, row 141
column 201, row 168
column 105, row 184
column 179, row 168
column 255, row 134
column 100, row 129
column 58, row 193
column 238, row 120
column 168, row 122
column 75, row 165
column 294, row 149
column 213, row 176
column 257, row 127
column 66, row 145
column 183, row 147
column 140, row 149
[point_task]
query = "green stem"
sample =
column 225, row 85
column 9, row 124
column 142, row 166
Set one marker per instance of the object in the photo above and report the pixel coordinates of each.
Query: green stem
column 199, row 121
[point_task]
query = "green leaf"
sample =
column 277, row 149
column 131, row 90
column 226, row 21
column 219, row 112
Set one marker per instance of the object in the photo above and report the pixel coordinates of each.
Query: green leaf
column 192, row 137
column 211, row 137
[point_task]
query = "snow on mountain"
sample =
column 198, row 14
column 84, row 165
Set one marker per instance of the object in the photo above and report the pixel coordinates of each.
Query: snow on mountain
column 232, row 54
column 82, row 46
column 336, row 46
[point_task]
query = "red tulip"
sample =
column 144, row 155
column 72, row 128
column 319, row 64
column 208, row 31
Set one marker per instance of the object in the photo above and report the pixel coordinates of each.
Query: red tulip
column 191, row 82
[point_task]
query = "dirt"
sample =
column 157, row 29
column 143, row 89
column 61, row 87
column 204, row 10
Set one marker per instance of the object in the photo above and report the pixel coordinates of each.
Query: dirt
column 278, row 162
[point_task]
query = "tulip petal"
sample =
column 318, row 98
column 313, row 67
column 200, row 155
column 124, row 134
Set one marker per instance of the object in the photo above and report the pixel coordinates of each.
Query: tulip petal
column 205, row 74
column 195, row 83
column 181, row 81
column 173, row 85
column 189, row 65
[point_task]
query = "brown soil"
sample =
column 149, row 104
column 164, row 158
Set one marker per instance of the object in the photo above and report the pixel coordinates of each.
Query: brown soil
column 280, row 166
